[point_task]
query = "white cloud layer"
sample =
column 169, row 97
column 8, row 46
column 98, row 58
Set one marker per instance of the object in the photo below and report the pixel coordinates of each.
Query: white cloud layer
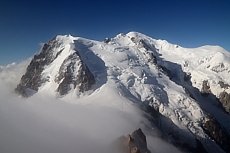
column 49, row 125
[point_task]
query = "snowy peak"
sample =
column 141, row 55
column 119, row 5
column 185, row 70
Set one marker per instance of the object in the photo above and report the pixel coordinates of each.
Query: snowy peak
column 58, row 67
column 164, row 79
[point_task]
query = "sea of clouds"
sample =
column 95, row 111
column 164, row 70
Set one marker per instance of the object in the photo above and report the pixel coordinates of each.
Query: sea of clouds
column 42, row 124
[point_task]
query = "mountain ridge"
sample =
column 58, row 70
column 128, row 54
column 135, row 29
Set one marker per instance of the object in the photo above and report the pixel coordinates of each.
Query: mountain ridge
column 136, row 69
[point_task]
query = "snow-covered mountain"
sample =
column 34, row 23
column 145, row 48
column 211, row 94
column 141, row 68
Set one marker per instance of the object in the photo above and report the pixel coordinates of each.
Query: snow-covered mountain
column 185, row 92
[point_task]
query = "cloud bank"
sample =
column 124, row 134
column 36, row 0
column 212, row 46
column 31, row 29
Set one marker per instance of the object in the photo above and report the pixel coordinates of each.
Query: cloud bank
column 49, row 125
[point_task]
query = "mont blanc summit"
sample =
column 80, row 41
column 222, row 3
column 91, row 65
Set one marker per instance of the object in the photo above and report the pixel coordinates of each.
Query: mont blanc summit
column 184, row 92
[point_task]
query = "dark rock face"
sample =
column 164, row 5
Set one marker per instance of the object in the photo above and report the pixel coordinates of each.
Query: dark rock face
column 32, row 79
column 85, row 77
column 140, row 140
column 65, row 77
column 205, row 91
column 135, row 143
column 218, row 133
column 74, row 73
column 224, row 98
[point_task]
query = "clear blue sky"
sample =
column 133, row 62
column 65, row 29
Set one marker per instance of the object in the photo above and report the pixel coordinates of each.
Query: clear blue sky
column 189, row 23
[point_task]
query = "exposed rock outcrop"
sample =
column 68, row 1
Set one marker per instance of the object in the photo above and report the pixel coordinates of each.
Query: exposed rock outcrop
column 32, row 79
column 217, row 133
column 219, row 68
column 151, row 58
column 205, row 91
column 74, row 73
column 223, row 85
column 106, row 40
column 224, row 98
column 135, row 143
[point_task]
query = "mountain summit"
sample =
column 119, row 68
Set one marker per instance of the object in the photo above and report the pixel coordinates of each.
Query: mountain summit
column 186, row 91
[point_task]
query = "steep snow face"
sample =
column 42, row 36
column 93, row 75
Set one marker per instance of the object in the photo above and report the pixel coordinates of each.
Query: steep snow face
column 134, row 68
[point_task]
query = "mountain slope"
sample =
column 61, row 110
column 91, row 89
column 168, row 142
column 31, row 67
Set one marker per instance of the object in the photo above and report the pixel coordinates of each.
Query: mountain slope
column 183, row 90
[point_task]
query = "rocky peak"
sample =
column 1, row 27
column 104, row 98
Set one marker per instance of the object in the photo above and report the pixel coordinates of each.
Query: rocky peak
column 134, row 143
column 72, row 73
